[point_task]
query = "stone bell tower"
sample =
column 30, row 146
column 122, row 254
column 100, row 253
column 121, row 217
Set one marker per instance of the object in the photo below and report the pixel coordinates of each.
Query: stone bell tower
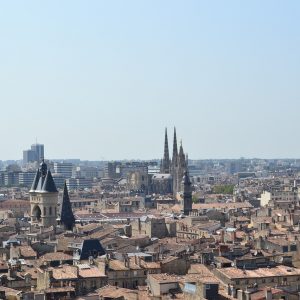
column 187, row 194
column 43, row 198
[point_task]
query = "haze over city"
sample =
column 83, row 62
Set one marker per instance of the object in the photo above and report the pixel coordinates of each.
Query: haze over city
column 100, row 80
column 149, row 150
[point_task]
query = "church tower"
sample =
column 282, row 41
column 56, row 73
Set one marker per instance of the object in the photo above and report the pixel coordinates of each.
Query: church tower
column 179, row 165
column 43, row 198
column 165, row 165
column 66, row 214
column 187, row 194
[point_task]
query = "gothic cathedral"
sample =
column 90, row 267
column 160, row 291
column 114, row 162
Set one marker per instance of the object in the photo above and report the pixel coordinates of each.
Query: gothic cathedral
column 177, row 166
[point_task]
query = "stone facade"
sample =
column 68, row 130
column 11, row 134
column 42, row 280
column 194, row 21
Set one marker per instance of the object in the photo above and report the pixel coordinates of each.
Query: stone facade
column 43, row 198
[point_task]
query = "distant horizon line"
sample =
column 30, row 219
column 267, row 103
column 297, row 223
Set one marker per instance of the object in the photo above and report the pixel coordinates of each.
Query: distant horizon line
column 156, row 159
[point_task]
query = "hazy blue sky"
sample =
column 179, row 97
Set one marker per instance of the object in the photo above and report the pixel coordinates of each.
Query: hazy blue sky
column 102, row 79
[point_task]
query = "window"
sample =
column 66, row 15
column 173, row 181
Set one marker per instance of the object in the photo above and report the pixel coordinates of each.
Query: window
column 44, row 211
column 285, row 249
column 293, row 247
column 50, row 211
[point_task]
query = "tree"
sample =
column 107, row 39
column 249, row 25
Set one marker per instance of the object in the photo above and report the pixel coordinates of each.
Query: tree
column 223, row 189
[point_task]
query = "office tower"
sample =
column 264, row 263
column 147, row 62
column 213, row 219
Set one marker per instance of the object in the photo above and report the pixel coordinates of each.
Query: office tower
column 35, row 153
column 39, row 151
column 29, row 156
column 63, row 168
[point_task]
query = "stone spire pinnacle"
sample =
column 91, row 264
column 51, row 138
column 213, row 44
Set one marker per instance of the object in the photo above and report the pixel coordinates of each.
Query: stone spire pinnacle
column 175, row 150
column 181, row 152
column 165, row 168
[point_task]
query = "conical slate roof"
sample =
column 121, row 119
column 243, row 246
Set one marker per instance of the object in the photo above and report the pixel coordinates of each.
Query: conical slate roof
column 40, row 184
column 43, row 180
column 35, row 181
column 49, row 185
column 66, row 213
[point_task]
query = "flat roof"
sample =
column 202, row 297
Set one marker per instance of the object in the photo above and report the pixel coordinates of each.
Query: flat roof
column 234, row 273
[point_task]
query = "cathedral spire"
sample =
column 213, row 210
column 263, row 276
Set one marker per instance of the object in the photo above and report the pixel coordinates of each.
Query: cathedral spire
column 181, row 149
column 175, row 150
column 165, row 168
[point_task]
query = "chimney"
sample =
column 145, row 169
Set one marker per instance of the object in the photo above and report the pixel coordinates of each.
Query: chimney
column 126, row 261
column 247, row 295
column 268, row 293
column 222, row 236
column 269, row 212
column 11, row 271
column 139, row 225
column 234, row 236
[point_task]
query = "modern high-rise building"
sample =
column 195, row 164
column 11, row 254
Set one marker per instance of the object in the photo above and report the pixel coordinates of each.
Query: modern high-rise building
column 26, row 178
column 39, row 151
column 36, row 153
column 63, row 168
column 28, row 156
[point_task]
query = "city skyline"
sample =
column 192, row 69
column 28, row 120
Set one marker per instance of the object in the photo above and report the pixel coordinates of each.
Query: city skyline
column 169, row 149
column 101, row 80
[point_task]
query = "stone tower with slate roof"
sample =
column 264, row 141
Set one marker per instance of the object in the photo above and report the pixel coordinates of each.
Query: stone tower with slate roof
column 187, row 194
column 43, row 198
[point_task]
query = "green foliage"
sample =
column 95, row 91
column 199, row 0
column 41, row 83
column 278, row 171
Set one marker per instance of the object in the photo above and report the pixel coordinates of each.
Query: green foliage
column 223, row 189
column 195, row 199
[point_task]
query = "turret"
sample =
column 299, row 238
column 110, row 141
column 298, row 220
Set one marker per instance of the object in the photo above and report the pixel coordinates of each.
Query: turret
column 43, row 197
